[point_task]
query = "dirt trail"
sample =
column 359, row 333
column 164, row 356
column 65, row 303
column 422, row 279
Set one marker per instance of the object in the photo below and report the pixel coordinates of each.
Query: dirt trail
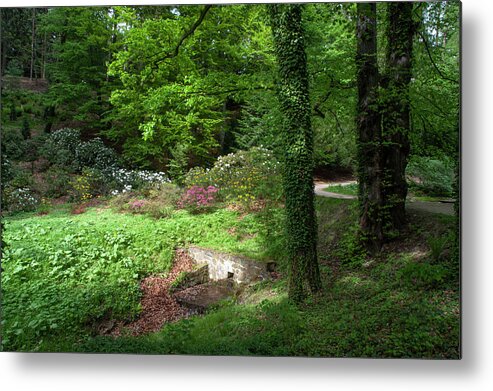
column 446, row 208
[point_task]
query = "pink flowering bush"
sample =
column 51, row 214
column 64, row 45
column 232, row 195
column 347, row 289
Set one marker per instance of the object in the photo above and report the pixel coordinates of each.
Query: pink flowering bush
column 198, row 198
column 136, row 205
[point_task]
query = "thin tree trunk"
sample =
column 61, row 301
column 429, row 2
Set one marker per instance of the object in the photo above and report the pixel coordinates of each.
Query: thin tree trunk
column 43, row 58
column 33, row 35
column 396, row 111
column 297, row 133
column 369, row 129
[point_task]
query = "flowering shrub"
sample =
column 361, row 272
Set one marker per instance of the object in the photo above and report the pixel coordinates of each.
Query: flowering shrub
column 241, row 177
column 159, row 202
column 127, row 180
column 21, row 199
column 65, row 148
column 81, row 187
column 95, row 154
column 198, row 198
column 60, row 147
column 137, row 205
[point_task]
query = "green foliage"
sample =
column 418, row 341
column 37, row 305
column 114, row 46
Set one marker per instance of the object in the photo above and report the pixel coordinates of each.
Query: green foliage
column 65, row 148
column 60, row 147
column 422, row 275
column 330, row 48
column 351, row 189
column 81, row 46
column 90, row 183
column 435, row 90
column 361, row 314
column 64, row 273
column 432, row 176
column 58, row 182
column 20, row 199
column 175, row 93
column 95, row 154
column 26, row 128
column 20, row 178
column 158, row 202
column 438, row 245
column 13, row 141
column 178, row 164
column 241, row 177
column 297, row 136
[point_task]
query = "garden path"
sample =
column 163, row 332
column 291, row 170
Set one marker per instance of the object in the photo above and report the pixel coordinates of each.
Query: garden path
column 446, row 208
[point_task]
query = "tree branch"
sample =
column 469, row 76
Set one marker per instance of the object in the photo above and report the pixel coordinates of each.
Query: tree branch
column 433, row 62
column 333, row 84
column 187, row 33
column 221, row 92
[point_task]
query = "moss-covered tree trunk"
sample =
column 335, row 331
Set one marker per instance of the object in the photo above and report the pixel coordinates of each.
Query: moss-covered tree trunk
column 298, row 142
column 369, row 129
column 396, row 110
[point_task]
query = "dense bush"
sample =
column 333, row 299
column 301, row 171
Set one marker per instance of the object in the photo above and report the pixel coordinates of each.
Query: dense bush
column 65, row 149
column 127, row 180
column 21, row 199
column 13, row 143
column 95, row 154
column 87, row 185
column 241, row 177
column 158, row 202
column 26, row 128
column 198, row 199
column 57, row 182
column 434, row 177
column 60, row 148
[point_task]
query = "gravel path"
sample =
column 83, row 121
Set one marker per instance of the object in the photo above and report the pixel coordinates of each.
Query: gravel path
column 446, row 208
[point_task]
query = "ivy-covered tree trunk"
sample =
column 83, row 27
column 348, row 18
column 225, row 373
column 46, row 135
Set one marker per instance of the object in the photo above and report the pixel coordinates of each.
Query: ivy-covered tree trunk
column 298, row 143
column 396, row 110
column 369, row 129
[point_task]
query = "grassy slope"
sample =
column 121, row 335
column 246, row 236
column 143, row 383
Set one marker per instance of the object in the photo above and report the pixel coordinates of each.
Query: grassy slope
column 67, row 271
column 383, row 308
column 351, row 189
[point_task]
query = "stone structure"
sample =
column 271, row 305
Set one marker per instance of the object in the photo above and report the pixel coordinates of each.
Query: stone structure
column 200, row 297
column 228, row 266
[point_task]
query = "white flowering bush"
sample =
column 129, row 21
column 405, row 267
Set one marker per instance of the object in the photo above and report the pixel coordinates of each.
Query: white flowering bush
column 20, row 200
column 241, row 177
column 127, row 180
column 95, row 154
column 65, row 149
column 60, row 147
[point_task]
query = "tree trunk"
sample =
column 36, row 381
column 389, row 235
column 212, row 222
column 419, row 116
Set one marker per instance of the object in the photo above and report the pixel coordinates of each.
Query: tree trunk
column 43, row 58
column 369, row 129
column 33, row 36
column 396, row 111
column 298, row 142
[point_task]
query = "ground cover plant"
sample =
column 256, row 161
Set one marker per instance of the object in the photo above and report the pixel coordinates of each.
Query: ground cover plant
column 95, row 260
column 403, row 304
column 137, row 139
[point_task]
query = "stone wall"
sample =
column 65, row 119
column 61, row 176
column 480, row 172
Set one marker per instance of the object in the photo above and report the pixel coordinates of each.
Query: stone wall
column 222, row 266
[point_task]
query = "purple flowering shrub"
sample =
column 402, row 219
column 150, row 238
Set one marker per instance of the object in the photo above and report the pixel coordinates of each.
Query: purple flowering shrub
column 198, row 198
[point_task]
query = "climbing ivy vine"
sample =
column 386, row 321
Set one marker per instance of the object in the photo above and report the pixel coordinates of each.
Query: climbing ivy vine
column 293, row 94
